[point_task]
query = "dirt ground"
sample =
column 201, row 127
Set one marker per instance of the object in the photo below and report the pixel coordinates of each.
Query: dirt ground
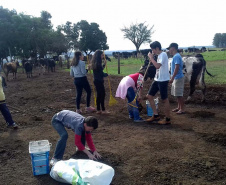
column 190, row 151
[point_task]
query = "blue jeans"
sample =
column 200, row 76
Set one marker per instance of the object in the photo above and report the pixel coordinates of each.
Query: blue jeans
column 62, row 142
column 6, row 114
column 133, row 111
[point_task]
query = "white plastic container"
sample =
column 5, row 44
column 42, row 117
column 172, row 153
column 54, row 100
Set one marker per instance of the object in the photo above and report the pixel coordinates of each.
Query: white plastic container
column 39, row 151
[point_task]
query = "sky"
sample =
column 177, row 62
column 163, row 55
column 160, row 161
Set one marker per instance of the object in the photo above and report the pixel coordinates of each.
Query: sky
column 186, row 22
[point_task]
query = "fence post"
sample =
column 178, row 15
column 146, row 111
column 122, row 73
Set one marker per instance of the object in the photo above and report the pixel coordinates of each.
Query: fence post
column 118, row 64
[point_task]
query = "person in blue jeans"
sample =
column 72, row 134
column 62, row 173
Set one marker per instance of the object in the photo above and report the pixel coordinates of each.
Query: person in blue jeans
column 127, row 89
column 78, row 71
column 3, row 107
column 81, row 126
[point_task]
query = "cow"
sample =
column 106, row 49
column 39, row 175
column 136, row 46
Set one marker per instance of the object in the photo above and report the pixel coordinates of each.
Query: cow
column 194, row 69
column 42, row 64
column 51, row 65
column 28, row 68
column 151, row 70
column 10, row 67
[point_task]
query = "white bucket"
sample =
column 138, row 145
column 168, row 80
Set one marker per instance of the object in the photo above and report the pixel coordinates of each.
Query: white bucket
column 39, row 152
column 39, row 146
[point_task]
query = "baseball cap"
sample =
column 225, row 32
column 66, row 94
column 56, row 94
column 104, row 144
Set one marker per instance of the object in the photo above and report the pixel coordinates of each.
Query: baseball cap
column 174, row 45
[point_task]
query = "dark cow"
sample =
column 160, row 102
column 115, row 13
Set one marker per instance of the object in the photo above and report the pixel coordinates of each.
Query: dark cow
column 10, row 67
column 107, row 58
column 28, row 68
column 194, row 71
column 42, row 64
column 151, row 70
column 51, row 64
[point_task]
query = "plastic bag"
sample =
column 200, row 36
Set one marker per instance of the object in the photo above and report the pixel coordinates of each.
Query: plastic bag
column 82, row 172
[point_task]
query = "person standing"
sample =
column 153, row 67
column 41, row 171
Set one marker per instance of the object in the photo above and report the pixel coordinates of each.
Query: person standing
column 3, row 107
column 79, row 71
column 177, row 78
column 160, row 83
column 81, row 126
column 99, row 75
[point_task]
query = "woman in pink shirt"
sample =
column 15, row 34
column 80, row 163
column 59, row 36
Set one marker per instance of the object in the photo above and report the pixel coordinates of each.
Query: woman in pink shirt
column 127, row 89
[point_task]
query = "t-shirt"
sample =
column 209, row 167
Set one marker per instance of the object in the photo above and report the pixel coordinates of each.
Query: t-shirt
column 79, row 70
column 72, row 120
column 162, row 74
column 177, row 60
column 138, row 79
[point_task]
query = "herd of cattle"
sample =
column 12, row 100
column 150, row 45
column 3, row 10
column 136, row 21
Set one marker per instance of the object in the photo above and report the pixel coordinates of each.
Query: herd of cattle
column 144, row 52
column 28, row 65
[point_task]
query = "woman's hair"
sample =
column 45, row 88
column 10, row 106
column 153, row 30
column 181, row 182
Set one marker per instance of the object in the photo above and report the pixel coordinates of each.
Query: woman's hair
column 97, row 60
column 91, row 122
column 76, row 58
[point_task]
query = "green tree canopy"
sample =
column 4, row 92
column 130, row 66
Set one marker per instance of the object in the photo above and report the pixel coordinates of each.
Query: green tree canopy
column 91, row 37
column 219, row 40
column 138, row 34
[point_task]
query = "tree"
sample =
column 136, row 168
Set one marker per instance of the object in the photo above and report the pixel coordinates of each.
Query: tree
column 7, row 30
column 91, row 37
column 219, row 40
column 138, row 34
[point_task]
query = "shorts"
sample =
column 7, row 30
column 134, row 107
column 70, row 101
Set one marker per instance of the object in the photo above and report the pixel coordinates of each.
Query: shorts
column 177, row 88
column 162, row 87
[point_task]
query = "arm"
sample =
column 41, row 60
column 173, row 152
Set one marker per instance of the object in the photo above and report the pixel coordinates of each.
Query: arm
column 90, row 142
column 91, row 146
column 151, row 59
column 177, row 67
column 81, row 147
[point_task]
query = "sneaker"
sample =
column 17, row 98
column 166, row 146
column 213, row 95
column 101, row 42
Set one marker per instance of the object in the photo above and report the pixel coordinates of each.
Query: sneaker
column 164, row 122
column 90, row 109
column 78, row 111
column 105, row 112
column 14, row 125
column 153, row 118
column 53, row 161
column 138, row 120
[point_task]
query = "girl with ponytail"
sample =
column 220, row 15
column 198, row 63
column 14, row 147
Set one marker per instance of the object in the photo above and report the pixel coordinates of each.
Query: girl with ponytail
column 78, row 71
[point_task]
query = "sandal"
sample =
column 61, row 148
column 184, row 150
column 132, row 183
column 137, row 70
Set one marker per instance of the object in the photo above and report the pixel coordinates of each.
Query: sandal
column 175, row 110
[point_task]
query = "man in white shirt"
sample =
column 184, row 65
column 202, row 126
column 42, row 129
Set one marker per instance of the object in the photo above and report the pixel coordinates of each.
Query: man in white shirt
column 160, row 83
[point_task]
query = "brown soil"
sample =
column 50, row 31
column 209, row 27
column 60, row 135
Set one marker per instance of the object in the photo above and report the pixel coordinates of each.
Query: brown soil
column 190, row 151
